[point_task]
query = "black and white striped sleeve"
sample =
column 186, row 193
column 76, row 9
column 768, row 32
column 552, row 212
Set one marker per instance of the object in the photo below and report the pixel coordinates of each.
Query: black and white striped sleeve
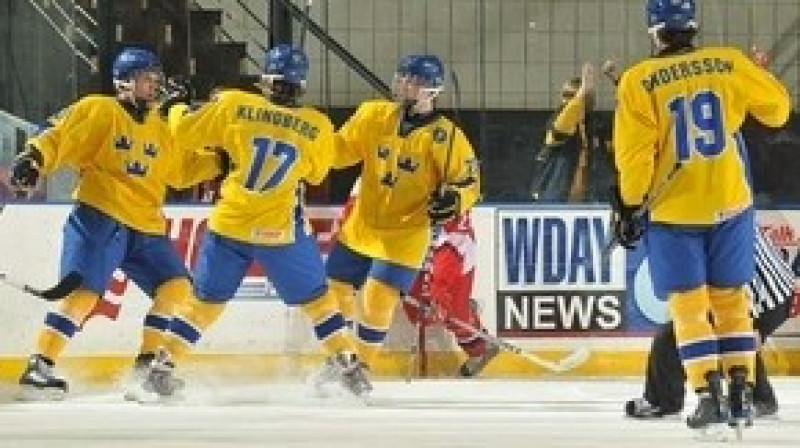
column 773, row 282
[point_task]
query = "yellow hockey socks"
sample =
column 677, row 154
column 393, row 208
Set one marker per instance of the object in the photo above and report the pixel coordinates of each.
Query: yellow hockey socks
column 329, row 324
column 169, row 298
column 345, row 295
column 380, row 301
column 697, row 343
column 734, row 327
column 61, row 325
column 188, row 325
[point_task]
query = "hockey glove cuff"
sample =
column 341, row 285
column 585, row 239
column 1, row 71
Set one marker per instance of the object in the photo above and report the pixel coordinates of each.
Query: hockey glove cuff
column 627, row 222
column 443, row 205
column 177, row 91
column 26, row 169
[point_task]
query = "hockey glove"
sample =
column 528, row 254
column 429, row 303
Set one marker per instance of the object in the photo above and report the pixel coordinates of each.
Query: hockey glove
column 627, row 222
column 177, row 91
column 226, row 164
column 25, row 170
column 443, row 205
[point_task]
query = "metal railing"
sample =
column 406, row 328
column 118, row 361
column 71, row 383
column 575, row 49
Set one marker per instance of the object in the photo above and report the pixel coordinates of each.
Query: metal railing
column 68, row 27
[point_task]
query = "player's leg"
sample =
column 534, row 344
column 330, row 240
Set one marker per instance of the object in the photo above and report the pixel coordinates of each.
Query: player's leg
column 154, row 266
column 664, row 384
column 346, row 271
column 381, row 292
column 764, row 401
column 221, row 266
column 678, row 265
column 94, row 244
column 298, row 275
column 420, row 290
column 731, row 266
column 451, row 292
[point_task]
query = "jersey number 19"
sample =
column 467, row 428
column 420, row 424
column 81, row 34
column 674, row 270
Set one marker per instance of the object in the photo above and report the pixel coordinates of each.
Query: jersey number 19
column 702, row 114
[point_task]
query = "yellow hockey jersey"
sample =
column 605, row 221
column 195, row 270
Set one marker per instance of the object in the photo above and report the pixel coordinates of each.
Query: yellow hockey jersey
column 685, row 110
column 124, row 165
column 273, row 150
column 390, row 220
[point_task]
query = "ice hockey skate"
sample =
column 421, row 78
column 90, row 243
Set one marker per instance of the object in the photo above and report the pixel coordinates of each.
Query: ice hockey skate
column 765, row 409
column 739, row 400
column 40, row 382
column 138, row 375
column 640, row 408
column 347, row 370
column 159, row 382
column 474, row 365
column 711, row 415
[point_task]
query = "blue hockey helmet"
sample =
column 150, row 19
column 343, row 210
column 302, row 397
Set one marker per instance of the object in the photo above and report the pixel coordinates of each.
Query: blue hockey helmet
column 287, row 63
column 405, row 63
column 676, row 15
column 426, row 68
column 132, row 60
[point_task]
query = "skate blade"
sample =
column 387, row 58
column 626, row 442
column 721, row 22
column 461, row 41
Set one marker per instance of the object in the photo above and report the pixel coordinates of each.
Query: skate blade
column 714, row 432
column 362, row 399
column 152, row 398
column 32, row 393
column 739, row 426
column 140, row 395
column 319, row 391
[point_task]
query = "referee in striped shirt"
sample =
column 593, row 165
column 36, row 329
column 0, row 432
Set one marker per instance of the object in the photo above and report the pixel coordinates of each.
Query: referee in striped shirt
column 772, row 293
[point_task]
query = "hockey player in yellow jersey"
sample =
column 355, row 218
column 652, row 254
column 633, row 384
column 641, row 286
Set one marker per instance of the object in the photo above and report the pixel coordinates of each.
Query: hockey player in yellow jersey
column 123, row 150
column 273, row 145
column 679, row 153
column 419, row 170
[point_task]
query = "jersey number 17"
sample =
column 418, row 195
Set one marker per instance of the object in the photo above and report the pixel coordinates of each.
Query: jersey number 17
column 272, row 153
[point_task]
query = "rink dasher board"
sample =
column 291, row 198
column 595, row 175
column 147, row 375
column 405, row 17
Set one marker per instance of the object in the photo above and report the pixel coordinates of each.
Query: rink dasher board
column 540, row 283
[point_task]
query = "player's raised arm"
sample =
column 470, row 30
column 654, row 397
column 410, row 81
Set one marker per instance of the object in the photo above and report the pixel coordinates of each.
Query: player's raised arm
column 768, row 100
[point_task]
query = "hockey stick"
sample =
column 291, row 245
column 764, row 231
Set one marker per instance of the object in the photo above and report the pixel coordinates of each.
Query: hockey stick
column 649, row 199
column 456, row 120
column 65, row 286
column 416, row 352
column 574, row 359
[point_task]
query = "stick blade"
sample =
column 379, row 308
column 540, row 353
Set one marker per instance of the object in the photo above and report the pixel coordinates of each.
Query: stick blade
column 67, row 285
column 573, row 360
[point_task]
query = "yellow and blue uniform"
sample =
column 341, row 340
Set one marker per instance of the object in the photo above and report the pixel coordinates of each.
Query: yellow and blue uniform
column 383, row 242
column 389, row 220
column 126, row 162
column 679, row 117
column 272, row 149
column 561, row 159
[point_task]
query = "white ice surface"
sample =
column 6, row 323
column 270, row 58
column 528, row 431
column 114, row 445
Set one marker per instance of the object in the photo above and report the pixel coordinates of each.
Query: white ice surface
column 422, row 413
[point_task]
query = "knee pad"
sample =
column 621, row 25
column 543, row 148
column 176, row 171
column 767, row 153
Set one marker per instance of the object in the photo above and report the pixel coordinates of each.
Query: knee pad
column 345, row 295
column 379, row 302
column 79, row 304
column 731, row 309
column 171, row 296
column 689, row 307
column 200, row 313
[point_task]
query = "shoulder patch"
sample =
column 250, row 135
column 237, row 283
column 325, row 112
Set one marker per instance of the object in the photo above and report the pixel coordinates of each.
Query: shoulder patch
column 439, row 135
